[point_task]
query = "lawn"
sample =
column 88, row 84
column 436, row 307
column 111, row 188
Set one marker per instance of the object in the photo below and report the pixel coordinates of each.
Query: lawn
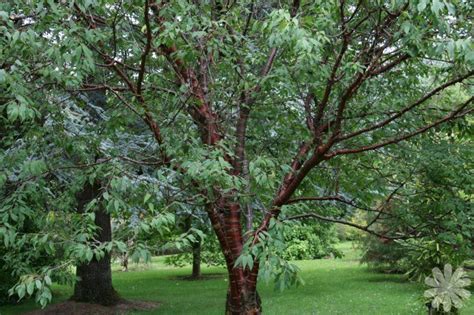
column 332, row 286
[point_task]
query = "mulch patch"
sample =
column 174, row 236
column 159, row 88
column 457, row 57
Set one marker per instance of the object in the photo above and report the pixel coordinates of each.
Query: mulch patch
column 76, row 308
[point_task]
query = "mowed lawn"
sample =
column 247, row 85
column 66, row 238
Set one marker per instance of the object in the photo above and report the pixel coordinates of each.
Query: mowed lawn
column 332, row 286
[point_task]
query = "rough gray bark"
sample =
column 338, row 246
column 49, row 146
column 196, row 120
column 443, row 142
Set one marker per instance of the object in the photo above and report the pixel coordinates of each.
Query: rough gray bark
column 196, row 260
column 95, row 278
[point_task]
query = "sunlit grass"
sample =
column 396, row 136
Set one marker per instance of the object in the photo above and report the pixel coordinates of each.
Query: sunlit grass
column 332, row 286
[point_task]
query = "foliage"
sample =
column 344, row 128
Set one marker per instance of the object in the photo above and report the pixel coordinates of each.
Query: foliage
column 415, row 257
column 438, row 201
column 255, row 109
column 448, row 288
column 309, row 240
column 383, row 255
column 210, row 254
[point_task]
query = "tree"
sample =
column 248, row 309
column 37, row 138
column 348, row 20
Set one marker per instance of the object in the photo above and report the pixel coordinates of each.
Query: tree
column 42, row 146
column 26, row 249
column 196, row 251
column 257, row 105
column 94, row 278
column 94, row 284
column 100, row 188
column 202, row 247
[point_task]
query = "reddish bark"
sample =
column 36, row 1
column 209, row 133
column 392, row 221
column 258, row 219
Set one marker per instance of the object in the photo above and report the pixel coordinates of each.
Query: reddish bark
column 242, row 296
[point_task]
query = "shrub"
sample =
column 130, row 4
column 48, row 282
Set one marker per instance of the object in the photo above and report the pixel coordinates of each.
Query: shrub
column 414, row 257
column 382, row 255
column 310, row 241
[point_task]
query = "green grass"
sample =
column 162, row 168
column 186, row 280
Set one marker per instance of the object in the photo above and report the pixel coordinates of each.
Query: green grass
column 340, row 286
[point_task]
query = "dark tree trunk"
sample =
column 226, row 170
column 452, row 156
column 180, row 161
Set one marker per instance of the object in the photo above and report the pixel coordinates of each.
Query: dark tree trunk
column 95, row 278
column 196, row 259
column 196, row 251
column 125, row 262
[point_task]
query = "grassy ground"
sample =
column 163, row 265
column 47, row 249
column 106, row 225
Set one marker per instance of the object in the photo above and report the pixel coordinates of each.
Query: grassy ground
column 339, row 286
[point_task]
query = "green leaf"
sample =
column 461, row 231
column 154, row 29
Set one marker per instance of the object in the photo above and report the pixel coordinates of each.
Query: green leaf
column 436, row 6
column 147, row 196
column 121, row 246
column 21, row 290
column 89, row 254
column 406, row 26
column 4, row 15
column 13, row 111
column 30, row 287
column 3, row 75
column 421, row 5
column 47, row 280
column 3, row 180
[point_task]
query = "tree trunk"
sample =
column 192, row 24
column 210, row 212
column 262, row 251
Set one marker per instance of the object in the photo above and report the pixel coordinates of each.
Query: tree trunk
column 242, row 296
column 243, row 303
column 125, row 262
column 95, row 278
column 196, row 259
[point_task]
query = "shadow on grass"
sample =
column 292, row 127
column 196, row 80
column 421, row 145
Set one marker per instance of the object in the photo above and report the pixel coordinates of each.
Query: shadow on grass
column 384, row 278
column 206, row 276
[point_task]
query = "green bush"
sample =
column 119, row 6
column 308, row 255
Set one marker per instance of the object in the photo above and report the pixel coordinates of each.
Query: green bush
column 303, row 241
column 383, row 255
column 414, row 257
column 310, row 241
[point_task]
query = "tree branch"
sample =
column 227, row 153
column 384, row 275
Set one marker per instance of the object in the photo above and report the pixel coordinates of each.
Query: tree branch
column 455, row 114
column 348, row 223
column 406, row 109
column 146, row 51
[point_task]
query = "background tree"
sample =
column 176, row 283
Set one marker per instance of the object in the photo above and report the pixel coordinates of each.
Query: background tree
column 47, row 152
column 94, row 277
column 438, row 200
column 203, row 248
